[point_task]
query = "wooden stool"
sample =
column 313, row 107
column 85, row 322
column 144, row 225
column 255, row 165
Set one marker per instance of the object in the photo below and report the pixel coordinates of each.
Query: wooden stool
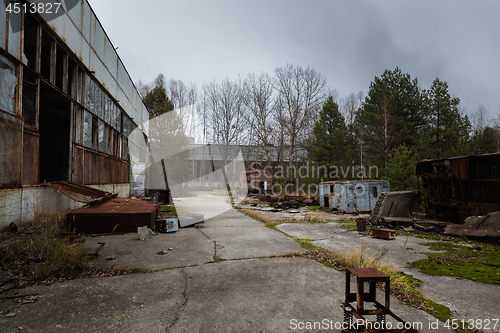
column 371, row 276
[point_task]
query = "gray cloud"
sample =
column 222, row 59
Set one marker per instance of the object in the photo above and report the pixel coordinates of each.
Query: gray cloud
column 350, row 42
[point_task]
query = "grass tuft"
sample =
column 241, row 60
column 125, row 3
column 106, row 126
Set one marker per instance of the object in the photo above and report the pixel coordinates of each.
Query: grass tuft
column 42, row 251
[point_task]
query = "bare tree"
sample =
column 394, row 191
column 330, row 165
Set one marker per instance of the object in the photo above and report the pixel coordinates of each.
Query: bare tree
column 301, row 93
column 259, row 98
column 480, row 119
column 349, row 105
column 142, row 88
column 225, row 112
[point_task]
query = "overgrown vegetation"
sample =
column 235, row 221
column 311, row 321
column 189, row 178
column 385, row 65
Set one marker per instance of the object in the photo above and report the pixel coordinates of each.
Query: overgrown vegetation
column 476, row 263
column 403, row 287
column 43, row 252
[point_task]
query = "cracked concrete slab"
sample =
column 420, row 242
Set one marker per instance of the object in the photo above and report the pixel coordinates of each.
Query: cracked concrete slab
column 467, row 299
column 131, row 303
column 253, row 295
column 311, row 231
column 189, row 247
column 237, row 236
column 265, row 295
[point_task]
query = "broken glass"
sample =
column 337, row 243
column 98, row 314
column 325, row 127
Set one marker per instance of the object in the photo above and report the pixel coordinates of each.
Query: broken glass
column 78, row 125
column 30, row 92
column 87, row 129
column 15, row 34
column 102, row 135
column 8, row 82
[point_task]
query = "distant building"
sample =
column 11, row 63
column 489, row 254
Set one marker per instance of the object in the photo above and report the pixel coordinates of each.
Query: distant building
column 67, row 109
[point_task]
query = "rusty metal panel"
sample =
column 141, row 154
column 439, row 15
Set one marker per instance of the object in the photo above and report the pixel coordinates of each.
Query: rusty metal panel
column 114, row 215
column 10, row 149
column 88, row 168
column 456, row 188
column 31, row 158
column 78, row 167
column 96, row 166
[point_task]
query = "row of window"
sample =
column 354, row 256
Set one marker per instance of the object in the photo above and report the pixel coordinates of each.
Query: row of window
column 99, row 123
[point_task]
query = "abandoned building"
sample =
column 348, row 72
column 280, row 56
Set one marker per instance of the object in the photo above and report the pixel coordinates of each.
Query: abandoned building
column 67, row 110
column 351, row 196
column 459, row 187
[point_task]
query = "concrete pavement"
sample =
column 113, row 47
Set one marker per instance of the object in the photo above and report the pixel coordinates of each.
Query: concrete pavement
column 251, row 290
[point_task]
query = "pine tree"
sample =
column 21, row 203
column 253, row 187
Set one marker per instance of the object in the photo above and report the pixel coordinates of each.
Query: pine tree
column 391, row 115
column 330, row 135
column 157, row 102
column 447, row 130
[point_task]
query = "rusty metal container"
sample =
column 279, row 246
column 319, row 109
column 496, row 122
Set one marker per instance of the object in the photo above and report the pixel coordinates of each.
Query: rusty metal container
column 361, row 224
column 383, row 233
column 272, row 198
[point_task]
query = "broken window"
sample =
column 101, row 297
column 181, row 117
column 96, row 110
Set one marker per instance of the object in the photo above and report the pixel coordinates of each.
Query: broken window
column 80, row 97
column 31, row 27
column 125, row 149
column 30, row 98
column 15, row 34
column 332, row 189
column 78, row 124
column 88, row 93
column 3, row 23
column 87, row 129
column 46, row 58
column 101, row 136
column 95, row 132
column 8, row 82
column 72, row 77
column 375, row 191
column 61, row 68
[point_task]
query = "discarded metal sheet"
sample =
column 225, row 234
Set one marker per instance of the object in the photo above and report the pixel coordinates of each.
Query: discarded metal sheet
column 383, row 233
column 114, row 215
column 310, row 202
column 487, row 226
column 290, row 204
column 298, row 198
column 394, row 204
column 186, row 220
column 81, row 193
column 459, row 187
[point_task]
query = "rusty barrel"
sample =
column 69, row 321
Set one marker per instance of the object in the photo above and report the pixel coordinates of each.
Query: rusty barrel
column 272, row 198
column 361, row 224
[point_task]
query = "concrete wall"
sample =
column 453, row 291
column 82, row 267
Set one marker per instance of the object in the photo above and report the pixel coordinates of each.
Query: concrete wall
column 22, row 205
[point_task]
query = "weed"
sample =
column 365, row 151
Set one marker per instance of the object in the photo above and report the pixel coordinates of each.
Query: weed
column 316, row 217
column 314, row 208
column 42, row 253
column 473, row 263
column 269, row 222
column 430, row 237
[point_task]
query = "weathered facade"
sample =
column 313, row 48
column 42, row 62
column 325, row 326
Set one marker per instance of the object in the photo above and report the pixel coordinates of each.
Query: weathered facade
column 67, row 109
column 351, row 196
column 459, row 187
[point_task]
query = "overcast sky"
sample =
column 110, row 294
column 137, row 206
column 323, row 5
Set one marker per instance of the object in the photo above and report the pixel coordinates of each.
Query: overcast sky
column 349, row 42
